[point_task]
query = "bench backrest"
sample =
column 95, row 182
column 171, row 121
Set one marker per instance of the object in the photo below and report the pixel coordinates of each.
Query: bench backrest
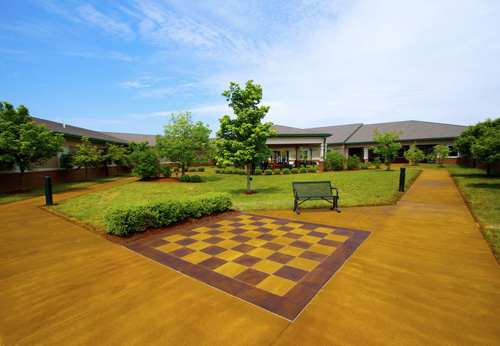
column 312, row 188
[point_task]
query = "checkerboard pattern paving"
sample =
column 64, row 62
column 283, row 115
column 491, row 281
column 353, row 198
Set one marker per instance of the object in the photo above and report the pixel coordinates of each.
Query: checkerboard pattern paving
column 277, row 264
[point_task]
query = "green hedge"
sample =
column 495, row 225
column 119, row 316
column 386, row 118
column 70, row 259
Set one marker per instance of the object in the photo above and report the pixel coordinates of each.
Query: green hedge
column 268, row 171
column 185, row 178
column 137, row 217
column 257, row 171
column 303, row 170
column 195, row 179
column 294, row 171
column 201, row 169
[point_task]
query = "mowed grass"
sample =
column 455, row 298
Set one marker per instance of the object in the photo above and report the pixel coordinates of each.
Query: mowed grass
column 356, row 188
column 40, row 190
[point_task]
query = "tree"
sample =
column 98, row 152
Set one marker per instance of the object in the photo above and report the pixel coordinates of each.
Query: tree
column 481, row 142
column 440, row 154
column 181, row 140
column 387, row 146
column 118, row 154
column 87, row 155
column 145, row 160
column 23, row 143
column 242, row 141
column 414, row 155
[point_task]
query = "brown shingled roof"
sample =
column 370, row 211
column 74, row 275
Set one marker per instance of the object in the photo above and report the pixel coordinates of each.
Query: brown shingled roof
column 294, row 131
column 77, row 132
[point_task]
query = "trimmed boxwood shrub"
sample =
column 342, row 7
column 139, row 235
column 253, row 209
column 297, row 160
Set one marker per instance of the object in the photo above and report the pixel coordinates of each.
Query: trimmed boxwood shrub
column 195, row 178
column 192, row 169
column 258, row 171
column 217, row 170
column 277, row 171
column 268, row 171
column 303, row 170
column 229, row 171
column 366, row 165
column 242, row 172
column 185, row 178
column 201, row 169
column 286, row 171
column 311, row 170
column 294, row 171
column 137, row 217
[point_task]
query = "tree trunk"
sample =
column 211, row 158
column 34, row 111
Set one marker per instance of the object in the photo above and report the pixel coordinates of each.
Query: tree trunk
column 183, row 169
column 488, row 169
column 106, row 169
column 248, row 178
column 22, row 178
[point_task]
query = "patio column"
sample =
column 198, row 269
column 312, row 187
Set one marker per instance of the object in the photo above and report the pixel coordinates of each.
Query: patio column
column 365, row 154
column 297, row 156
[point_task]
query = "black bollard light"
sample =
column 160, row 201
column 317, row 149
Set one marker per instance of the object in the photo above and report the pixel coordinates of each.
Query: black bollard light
column 48, row 191
column 402, row 176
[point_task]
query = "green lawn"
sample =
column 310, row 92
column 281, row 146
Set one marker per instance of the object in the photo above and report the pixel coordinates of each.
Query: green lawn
column 356, row 188
column 40, row 190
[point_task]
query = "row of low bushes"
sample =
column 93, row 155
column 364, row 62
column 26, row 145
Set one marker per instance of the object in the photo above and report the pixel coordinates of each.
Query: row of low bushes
column 190, row 178
column 196, row 169
column 277, row 171
column 137, row 217
column 336, row 161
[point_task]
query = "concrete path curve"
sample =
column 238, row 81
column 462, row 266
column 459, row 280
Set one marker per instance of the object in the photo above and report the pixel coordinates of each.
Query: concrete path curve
column 425, row 276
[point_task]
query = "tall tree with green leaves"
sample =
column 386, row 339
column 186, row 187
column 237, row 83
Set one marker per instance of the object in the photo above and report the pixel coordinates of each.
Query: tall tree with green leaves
column 242, row 141
column 87, row 156
column 481, row 142
column 182, row 139
column 145, row 160
column 414, row 155
column 23, row 143
column 116, row 154
column 387, row 145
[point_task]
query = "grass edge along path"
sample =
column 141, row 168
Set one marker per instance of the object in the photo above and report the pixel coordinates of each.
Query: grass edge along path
column 367, row 187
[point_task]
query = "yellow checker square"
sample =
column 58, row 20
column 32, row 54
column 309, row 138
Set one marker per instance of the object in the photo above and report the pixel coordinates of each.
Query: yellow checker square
column 294, row 225
column 228, row 244
column 174, row 238
column 323, row 249
column 324, row 230
column 246, row 222
column 336, row 237
column 291, row 250
column 256, row 242
column 201, row 236
column 248, row 227
column 169, row 247
column 283, row 240
column 276, row 285
column 229, row 255
column 231, row 269
column 266, row 220
column 251, row 234
column 261, row 252
column 267, row 266
column 225, row 222
column 300, row 231
column 310, row 239
column 199, row 245
column 271, row 226
column 276, row 233
column 225, row 228
column 196, row 257
column 202, row 229
column 303, row 263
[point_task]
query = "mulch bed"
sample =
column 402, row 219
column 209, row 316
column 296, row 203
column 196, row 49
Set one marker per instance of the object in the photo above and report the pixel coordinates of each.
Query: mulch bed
column 249, row 193
column 19, row 192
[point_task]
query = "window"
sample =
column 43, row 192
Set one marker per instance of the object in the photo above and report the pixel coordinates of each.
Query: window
column 453, row 152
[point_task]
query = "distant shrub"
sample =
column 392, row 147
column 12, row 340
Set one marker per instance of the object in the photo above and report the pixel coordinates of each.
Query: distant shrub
column 366, row 165
column 137, row 217
column 303, row 170
column 268, row 171
column 277, row 171
column 257, row 171
column 377, row 162
column 165, row 170
column 242, row 172
column 201, row 169
column 185, row 178
column 286, row 171
column 311, row 170
column 192, row 169
column 217, row 170
column 229, row 171
column 334, row 161
column 195, row 178
column 294, row 171
column 353, row 162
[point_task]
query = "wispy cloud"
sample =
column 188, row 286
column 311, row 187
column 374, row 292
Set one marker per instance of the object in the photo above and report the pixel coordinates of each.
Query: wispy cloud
column 100, row 55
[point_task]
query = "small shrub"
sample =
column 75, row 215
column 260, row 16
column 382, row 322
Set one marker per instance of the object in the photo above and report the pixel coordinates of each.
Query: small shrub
column 258, row 171
column 192, row 169
column 195, row 178
column 242, row 172
column 303, row 170
column 311, row 170
column 185, row 178
column 377, row 162
column 334, row 160
column 217, row 170
column 165, row 170
column 366, row 165
column 229, row 171
column 286, row 171
column 201, row 169
column 294, row 171
column 353, row 162
column 176, row 169
column 268, row 171
column 277, row 171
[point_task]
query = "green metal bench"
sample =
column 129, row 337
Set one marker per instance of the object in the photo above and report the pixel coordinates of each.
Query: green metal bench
column 304, row 191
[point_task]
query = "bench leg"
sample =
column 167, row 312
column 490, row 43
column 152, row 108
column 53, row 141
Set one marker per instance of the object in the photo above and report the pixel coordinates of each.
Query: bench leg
column 335, row 207
column 296, row 207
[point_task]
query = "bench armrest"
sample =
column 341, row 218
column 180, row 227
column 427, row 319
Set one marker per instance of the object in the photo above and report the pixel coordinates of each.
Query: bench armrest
column 334, row 188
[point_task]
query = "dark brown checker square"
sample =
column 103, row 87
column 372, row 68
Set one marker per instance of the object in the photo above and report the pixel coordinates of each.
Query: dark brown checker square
column 281, row 283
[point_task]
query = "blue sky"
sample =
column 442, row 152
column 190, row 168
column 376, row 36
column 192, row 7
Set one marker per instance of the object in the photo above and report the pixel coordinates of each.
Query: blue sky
column 126, row 65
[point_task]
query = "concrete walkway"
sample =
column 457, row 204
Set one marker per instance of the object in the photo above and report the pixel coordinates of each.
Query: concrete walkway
column 425, row 276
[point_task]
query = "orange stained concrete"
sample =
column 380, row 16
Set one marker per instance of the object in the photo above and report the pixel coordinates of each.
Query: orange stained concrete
column 424, row 276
